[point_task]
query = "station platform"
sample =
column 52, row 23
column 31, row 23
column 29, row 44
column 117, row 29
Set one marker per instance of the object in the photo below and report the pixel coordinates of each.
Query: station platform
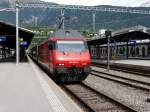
column 138, row 62
column 25, row 88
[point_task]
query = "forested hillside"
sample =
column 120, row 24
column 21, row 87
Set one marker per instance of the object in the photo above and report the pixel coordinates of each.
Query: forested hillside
column 77, row 19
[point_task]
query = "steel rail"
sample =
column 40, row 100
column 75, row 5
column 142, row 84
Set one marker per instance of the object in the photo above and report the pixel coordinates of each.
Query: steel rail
column 122, row 80
column 114, row 101
column 124, row 68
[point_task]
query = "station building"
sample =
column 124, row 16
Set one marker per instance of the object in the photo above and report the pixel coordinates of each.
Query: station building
column 127, row 43
column 8, row 41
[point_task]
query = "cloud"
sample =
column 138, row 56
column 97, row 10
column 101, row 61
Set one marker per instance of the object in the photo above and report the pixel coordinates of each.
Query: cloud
column 129, row 3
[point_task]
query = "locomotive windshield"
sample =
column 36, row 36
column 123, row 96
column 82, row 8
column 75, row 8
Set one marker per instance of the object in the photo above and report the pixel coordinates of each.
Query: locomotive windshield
column 71, row 46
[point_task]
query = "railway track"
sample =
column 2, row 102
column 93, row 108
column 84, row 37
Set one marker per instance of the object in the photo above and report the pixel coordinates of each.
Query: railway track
column 123, row 80
column 94, row 100
column 133, row 69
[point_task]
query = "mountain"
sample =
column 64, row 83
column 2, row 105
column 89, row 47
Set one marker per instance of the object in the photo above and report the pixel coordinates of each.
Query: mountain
column 76, row 19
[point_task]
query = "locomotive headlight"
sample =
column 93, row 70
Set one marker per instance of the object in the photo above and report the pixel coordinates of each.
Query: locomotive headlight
column 61, row 64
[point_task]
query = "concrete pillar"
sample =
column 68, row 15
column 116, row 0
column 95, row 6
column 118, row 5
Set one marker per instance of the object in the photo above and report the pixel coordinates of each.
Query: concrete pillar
column 127, row 51
column 4, row 52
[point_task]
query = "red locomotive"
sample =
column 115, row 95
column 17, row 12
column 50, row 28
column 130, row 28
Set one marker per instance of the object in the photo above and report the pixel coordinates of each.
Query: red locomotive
column 65, row 55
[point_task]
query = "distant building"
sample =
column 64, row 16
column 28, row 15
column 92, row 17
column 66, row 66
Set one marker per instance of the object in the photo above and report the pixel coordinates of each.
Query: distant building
column 119, row 50
column 130, row 29
column 101, row 33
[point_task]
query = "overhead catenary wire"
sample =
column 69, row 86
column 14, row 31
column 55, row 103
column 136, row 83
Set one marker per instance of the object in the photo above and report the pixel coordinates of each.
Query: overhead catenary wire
column 87, row 8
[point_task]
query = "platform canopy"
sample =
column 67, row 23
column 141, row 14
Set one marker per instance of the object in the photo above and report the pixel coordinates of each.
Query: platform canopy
column 124, row 36
column 8, row 35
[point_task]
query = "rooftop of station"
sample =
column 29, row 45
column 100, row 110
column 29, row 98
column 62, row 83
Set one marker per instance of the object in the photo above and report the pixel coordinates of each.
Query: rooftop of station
column 8, row 35
column 124, row 35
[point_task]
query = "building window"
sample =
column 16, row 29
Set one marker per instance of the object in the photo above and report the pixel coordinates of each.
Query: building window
column 131, row 51
column 143, row 51
column 137, row 51
column 123, row 50
column 149, row 50
column 120, row 50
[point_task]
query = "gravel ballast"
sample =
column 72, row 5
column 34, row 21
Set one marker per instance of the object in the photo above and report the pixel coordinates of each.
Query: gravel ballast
column 132, row 97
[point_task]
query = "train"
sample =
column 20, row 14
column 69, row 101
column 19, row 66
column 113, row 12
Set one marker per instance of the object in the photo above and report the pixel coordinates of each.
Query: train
column 65, row 55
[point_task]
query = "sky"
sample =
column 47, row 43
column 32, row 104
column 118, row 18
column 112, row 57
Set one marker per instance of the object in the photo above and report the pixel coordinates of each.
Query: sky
column 129, row 3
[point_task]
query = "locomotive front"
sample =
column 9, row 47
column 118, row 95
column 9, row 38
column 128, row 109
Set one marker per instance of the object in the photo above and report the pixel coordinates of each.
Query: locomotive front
column 72, row 59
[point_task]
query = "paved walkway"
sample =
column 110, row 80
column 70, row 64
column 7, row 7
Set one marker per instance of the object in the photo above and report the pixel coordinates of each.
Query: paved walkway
column 135, row 62
column 130, row 61
column 21, row 90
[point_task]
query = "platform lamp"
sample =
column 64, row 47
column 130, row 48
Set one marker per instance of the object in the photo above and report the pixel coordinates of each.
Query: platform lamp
column 21, row 39
column 108, row 34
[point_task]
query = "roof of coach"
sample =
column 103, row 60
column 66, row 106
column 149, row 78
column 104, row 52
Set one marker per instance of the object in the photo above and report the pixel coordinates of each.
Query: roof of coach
column 63, row 34
column 68, row 34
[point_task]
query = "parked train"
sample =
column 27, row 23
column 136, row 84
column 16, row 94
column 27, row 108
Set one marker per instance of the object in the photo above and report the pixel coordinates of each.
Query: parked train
column 65, row 56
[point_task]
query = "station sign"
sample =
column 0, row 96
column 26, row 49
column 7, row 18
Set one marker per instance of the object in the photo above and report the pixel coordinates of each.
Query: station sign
column 24, row 43
column 132, row 42
column 2, row 38
column 112, row 44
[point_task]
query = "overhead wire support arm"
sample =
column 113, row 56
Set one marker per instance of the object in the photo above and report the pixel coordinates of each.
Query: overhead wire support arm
column 8, row 10
column 74, row 7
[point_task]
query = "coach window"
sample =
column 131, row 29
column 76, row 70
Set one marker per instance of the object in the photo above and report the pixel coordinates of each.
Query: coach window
column 131, row 51
column 121, row 50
